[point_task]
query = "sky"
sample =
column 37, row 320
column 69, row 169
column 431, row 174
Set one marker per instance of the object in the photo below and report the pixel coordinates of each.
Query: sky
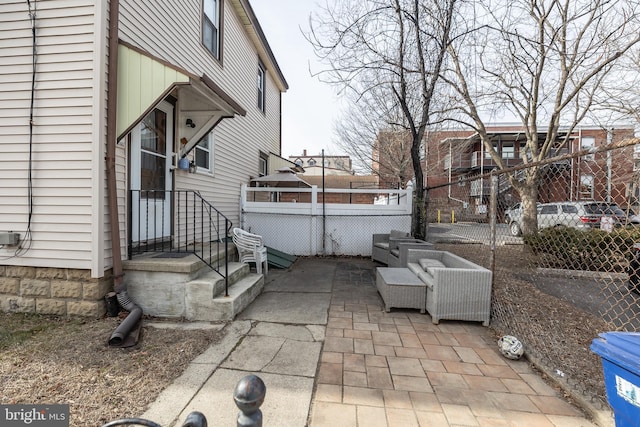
column 309, row 107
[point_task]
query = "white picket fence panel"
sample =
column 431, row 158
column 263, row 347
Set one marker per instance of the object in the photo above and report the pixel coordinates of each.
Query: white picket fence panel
column 298, row 228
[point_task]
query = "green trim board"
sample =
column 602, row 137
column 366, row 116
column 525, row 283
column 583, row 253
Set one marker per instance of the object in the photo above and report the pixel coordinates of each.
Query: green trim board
column 142, row 80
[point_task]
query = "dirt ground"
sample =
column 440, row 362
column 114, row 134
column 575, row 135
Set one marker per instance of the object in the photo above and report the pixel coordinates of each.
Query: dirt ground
column 49, row 360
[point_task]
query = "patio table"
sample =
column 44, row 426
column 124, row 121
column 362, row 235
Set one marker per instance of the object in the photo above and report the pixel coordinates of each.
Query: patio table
column 400, row 288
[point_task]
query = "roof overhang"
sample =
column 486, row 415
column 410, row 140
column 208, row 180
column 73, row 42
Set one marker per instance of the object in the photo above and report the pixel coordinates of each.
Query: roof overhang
column 254, row 30
column 503, row 136
column 144, row 81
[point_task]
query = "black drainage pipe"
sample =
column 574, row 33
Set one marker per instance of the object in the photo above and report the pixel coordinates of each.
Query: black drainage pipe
column 118, row 337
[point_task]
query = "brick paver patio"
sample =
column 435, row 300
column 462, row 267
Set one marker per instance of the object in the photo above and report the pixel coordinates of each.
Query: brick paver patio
column 399, row 370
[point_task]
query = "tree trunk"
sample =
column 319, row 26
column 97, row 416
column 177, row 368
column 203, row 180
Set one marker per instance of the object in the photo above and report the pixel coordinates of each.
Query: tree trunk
column 529, row 198
column 419, row 226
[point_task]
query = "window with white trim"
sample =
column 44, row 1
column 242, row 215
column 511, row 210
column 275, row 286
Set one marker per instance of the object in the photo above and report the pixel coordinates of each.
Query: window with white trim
column 211, row 26
column 586, row 186
column 204, row 154
column 508, row 151
column 588, row 142
column 263, row 164
column 261, row 94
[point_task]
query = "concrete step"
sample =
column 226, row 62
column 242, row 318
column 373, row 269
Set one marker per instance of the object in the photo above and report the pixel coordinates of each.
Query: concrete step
column 187, row 265
column 201, row 306
column 211, row 284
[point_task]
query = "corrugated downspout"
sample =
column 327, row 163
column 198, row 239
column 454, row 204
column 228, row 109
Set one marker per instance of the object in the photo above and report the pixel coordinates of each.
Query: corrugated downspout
column 118, row 337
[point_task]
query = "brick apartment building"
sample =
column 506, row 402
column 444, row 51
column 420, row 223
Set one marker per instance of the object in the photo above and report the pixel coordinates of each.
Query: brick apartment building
column 459, row 157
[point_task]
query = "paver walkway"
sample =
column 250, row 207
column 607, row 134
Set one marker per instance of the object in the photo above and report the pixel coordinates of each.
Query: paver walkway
column 399, row 370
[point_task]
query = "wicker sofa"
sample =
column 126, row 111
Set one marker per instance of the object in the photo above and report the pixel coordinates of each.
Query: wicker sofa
column 457, row 289
column 380, row 244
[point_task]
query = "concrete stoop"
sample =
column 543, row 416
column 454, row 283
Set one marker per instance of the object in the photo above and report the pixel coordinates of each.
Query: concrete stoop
column 186, row 288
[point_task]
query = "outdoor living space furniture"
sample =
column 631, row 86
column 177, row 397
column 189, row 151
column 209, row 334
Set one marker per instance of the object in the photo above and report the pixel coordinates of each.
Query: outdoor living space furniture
column 457, row 289
column 398, row 250
column 400, row 288
column 380, row 244
column 251, row 249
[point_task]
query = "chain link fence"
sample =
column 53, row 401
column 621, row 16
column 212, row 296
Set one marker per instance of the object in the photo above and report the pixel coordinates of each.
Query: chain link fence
column 557, row 288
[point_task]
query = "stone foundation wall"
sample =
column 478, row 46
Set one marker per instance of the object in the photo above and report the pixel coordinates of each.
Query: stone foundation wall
column 55, row 291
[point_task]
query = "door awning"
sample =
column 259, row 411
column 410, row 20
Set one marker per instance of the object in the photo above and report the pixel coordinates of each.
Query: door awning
column 144, row 81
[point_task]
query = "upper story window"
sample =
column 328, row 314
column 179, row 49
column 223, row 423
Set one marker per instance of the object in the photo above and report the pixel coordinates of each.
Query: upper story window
column 211, row 24
column 487, row 153
column 204, row 154
column 263, row 164
column 311, row 162
column 588, row 142
column 508, row 151
column 261, row 94
column 586, row 186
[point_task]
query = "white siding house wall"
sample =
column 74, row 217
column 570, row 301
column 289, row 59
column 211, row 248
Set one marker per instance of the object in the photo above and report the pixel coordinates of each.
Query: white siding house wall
column 237, row 141
column 65, row 128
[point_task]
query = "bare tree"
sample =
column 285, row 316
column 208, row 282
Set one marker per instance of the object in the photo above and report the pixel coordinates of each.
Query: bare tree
column 391, row 50
column 547, row 63
column 357, row 131
column 369, row 135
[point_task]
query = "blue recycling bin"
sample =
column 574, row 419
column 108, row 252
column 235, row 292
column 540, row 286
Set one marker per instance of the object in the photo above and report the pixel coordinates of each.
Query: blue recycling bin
column 620, row 353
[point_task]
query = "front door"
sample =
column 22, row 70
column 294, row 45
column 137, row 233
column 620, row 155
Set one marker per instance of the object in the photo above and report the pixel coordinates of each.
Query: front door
column 151, row 147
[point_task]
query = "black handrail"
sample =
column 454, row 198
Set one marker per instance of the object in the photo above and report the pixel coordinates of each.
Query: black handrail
column 197, row 228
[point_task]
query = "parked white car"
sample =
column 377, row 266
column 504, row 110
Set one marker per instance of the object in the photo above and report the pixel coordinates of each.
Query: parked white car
column 579, row 215
column 513, row 212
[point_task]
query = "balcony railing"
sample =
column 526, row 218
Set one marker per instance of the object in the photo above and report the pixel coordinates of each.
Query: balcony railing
column 474, row 160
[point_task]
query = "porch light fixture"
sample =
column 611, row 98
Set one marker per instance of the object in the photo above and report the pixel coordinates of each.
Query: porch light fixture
column 190, row 123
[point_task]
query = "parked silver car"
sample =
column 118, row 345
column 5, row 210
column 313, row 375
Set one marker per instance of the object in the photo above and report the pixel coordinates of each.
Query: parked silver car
column 579, row 215
column 630, row 217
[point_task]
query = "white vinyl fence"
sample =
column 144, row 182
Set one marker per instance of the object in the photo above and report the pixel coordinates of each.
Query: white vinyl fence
column 317, row 228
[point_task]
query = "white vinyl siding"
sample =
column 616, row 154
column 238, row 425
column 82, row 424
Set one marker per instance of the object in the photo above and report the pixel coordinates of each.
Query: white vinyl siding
column 70, row 215
column 64, row 132
column 238, row 140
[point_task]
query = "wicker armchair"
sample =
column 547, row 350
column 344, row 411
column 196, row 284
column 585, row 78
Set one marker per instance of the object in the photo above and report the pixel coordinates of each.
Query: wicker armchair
column 251, row 249
column 380, row 244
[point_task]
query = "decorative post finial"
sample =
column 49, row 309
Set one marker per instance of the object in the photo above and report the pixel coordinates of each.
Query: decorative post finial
column 249, row 395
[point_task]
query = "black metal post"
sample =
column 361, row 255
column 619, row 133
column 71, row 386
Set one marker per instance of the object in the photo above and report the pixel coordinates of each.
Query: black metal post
column 249, row 395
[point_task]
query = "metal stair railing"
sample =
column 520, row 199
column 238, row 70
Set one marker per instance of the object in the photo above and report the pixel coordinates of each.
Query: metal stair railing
column 197, row 228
